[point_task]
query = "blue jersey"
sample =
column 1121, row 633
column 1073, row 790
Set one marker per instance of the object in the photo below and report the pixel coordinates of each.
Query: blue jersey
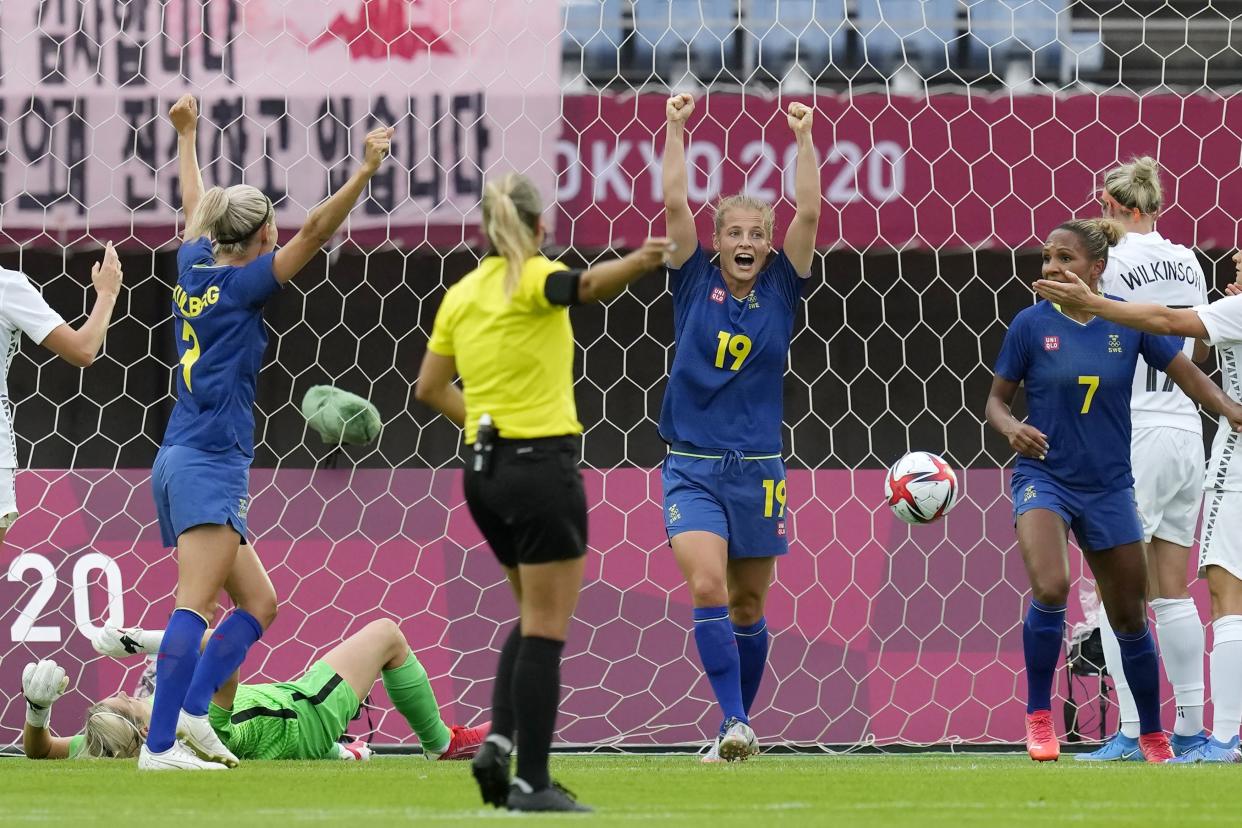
column 220, row 335
column 726, row 387
column 1078, row 381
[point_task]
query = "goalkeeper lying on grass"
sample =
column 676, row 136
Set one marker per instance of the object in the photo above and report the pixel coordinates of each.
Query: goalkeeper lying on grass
column 301, row 719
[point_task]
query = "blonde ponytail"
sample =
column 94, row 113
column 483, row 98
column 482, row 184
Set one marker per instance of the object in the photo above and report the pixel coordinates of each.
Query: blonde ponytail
column 511, row 210
column 230, row 218
column 1096, row 235
column 1136, row 185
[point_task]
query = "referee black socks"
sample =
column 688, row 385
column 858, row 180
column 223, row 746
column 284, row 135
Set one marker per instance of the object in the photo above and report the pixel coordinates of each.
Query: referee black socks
column 536, row 697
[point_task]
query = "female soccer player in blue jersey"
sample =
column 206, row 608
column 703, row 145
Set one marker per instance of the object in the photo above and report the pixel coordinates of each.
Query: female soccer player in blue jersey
column 227, row 270
column 724, row 480
column 1073, row 472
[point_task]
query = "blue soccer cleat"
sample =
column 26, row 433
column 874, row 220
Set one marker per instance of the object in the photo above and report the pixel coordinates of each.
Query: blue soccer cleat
column 1120, row 748
column 1185, row 744
column 1212, row 751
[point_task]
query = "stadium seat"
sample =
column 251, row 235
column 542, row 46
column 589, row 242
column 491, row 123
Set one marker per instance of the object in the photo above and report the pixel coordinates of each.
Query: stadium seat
column 1003, row 31
column 914, row 32
column 592, row 36
column 808, row 31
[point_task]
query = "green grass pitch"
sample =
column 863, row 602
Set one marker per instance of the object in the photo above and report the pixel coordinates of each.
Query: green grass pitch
column 922, row 790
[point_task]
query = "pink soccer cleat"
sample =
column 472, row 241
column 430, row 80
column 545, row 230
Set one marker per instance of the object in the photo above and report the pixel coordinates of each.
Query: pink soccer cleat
column 1156, row 748
column 1041, row 739
column 465, row 743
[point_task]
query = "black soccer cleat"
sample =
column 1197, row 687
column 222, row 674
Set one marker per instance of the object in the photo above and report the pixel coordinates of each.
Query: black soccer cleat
column 490, row 767
column 555, row 797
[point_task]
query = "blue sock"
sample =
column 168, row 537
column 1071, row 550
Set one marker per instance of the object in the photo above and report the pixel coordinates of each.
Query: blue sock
column 1138, row 661
column 174, row 668
column 223, row 654
column 713, row 633
column 1042, row 633
column 752, row 654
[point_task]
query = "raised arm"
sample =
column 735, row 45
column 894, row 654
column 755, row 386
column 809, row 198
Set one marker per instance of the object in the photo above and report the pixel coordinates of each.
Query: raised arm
column 184, row 117
column 1025, row 439
column 678, row 220
column 323, row 220
column 1156, row 319
column 80, row 347
column 1200, row 388
column 603, row 281
column 808, row 195
column 42, row 684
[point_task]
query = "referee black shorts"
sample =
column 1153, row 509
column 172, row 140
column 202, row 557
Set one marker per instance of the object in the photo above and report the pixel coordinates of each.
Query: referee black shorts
column 531, row 506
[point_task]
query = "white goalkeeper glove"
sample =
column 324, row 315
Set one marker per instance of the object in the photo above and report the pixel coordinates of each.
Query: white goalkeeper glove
column 119, row 642
column 357, row 751
column 42, row 684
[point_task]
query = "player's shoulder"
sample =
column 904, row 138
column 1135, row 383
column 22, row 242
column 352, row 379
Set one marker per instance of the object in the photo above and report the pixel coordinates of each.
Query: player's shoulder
column 1032, row 313
column 195, row 253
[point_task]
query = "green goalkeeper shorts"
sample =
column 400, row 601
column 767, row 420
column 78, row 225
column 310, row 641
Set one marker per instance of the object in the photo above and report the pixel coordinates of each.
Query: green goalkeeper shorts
column 299, row 719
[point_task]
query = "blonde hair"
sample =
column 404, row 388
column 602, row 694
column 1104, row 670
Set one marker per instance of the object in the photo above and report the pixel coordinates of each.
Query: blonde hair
column 745, row 202
column 111, row 734
column 1136, row 185
column 230, row 218
column 511, row 210
column 1096, row 234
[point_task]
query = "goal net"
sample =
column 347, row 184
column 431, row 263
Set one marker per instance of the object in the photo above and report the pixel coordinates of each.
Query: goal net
column 953, row 137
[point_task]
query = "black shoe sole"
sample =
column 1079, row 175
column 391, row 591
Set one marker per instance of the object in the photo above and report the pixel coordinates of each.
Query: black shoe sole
column 493, row 778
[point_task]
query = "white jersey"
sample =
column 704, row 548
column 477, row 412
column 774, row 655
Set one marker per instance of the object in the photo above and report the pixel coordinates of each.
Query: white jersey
column 1223, row 320
column 1146, row 267
column 22, row 310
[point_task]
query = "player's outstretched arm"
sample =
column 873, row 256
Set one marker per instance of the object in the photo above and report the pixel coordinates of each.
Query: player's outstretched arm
column 603, row 281
column 1025, row 439
column 80, row 347
column 324, row 220
column 42, row 684
column 678, row 220
column 435, row 387
column 1200, row 388
column 808, row 193
column 184, row 117
column 1157, row 319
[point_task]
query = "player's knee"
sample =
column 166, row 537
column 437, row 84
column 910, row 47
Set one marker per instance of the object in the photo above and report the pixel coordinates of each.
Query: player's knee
column 263, row 608
column 708, row 590
column 1128, row 618
column 745, row 608
column 1051, row 591
column 387, row 631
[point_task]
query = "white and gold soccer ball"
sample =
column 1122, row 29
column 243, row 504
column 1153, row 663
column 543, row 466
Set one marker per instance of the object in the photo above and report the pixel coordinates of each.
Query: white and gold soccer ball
column 920, row 487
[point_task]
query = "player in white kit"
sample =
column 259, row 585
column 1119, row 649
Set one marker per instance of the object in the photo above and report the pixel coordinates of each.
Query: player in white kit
column 1166, row 451
column 1220, row 542
column 23, row 310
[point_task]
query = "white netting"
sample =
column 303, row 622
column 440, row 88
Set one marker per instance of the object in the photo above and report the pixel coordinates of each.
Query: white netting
column 953, row 136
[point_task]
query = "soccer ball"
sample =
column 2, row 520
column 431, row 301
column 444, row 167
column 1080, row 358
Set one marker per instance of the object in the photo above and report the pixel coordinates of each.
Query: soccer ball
column 920, row 487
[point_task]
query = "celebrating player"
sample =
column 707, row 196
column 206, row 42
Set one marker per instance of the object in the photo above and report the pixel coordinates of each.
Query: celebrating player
column 1166, row 452
column 299, row 719
column 227, row 271
column 1220, row 547
column 724, row 480
column 504, row 328
column 1073, row 472
column 22, row 310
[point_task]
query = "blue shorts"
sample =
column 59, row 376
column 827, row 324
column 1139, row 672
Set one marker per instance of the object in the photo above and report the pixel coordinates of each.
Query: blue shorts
column 741, row 499
column 1100, row 520
column 193, row 487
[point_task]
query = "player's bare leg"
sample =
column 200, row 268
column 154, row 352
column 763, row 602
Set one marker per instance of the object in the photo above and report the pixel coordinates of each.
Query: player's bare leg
column 1041, row 537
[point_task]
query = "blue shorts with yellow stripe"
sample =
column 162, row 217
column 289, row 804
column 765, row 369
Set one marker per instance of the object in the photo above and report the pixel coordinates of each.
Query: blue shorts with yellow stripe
column 736, row 496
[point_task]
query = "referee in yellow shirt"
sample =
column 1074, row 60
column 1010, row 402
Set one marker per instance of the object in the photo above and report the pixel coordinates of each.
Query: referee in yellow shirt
column 504, row 328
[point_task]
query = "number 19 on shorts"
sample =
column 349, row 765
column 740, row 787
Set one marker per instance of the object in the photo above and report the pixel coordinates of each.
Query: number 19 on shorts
column 774, row 498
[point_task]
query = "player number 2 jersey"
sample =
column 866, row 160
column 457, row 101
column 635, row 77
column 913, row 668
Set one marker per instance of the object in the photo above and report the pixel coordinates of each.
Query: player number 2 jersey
column 1077, row 379
column 726, row 386
column 1146, row 267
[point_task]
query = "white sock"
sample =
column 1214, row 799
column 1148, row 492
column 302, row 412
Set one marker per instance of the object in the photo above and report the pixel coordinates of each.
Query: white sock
column 1112, row 659
column 1226, row 665
column 1180, row 633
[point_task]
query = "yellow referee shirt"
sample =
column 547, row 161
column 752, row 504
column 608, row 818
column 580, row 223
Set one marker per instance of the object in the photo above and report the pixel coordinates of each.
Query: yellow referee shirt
column 515, row 354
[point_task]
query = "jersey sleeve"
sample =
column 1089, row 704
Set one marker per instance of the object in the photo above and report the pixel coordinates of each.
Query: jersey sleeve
column 26, row 309
column 535, row 273
column 1223, row 320
column 197, row 252
column 787, row 278
column 441, row 341
column 1014, row 356
column 1158, row 351
column 255, row 282
column 691, row 272
column 77, row 746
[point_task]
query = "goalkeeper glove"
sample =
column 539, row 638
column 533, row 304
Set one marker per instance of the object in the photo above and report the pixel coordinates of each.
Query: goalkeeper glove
column 42, row 684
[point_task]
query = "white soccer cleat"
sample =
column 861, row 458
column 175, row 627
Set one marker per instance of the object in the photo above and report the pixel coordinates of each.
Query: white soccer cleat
column 117, row 642
column 177, row 757
column 738, row 743
column 713, row 753
column 199, row 737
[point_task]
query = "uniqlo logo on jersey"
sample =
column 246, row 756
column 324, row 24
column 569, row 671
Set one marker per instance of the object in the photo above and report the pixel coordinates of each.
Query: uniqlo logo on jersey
column 1052, row 343
column 780, row 528
column 718, row 295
